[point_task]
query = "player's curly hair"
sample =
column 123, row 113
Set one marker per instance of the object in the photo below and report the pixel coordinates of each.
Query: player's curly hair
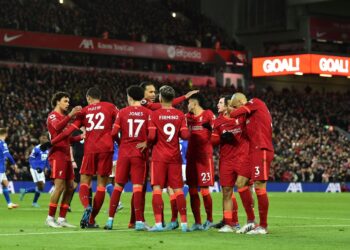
column 135, row 92
column 57, row 97
column 167, row 93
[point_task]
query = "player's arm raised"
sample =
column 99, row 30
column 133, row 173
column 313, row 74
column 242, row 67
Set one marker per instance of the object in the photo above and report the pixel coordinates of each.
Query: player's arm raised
column 59, row 125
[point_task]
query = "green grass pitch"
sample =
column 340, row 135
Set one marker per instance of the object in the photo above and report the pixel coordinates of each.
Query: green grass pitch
column 296, row 221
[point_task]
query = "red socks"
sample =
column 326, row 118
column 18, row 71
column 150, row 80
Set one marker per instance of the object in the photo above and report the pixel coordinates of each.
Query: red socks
column 181, row 205
column 115, row 198
column 84, row 194
column 208, row 203
column 157, row 204
column 195, row 205
column 174, row 210
column 137, row 194
column 234, row 209
column 52, row 209
column 247, row 201
column 263, row 203
column 97, row 204
column 63, row 210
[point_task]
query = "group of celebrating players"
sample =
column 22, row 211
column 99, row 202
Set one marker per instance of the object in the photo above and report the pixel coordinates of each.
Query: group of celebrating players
column 148, row 135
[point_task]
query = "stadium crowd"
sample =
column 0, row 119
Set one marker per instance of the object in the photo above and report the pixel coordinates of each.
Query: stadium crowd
column 304, row 149
column 134, row 20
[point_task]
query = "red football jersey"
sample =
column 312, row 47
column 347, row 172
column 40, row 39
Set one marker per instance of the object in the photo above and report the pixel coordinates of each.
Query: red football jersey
column 258, row 123
column 199, row 143
column 168, row 123
column 98, row 119
column 133, row 123
column 55, row 125
column 230, row 152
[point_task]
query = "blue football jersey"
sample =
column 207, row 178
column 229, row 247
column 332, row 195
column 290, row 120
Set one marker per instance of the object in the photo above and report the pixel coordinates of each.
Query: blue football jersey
column 183, row 150
column 38, row 158
column 4, row 154
column 115, row 151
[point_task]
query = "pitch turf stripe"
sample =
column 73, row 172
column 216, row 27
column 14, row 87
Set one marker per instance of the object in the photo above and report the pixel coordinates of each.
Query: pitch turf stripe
column 270, row 216
column 66, row 232
column 130, row 230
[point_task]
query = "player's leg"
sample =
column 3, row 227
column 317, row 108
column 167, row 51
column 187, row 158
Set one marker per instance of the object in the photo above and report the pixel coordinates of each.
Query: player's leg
column 173, row 224
column 261, row 161
column 176, row 183
column 205, row 169
column 110, row 184
column 104, row 163
column 247, row 201
column 121, row 178
column 67, row 194
column 54, row 199
column 24, row 191
column 192, row 182
column 38, row 190
column 158, row 181
column 138, row 172
column 6, row 192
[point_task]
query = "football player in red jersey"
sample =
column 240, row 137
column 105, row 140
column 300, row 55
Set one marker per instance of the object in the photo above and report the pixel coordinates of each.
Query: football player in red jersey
column 60, row 160
column 200, row 167
column 132, row 121
column 149, row 102
column 166, row 127
column 234, row 147
column 261, row 152
column 97, row 118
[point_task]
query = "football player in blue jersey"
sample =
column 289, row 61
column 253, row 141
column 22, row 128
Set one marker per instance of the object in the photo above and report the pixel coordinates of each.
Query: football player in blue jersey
column 38, row 161
column 5, row 154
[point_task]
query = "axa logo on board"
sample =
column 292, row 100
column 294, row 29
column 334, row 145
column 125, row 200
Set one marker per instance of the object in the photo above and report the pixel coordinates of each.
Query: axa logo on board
column 334, row 65
column 281, row 65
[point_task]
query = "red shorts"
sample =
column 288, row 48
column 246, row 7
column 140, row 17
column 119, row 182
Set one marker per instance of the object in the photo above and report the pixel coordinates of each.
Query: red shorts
column 165, row 174
column 97, row 164
column 134, row 167
column 61, row 169
column 260, row 161
column 227, row 173
column 200, row 172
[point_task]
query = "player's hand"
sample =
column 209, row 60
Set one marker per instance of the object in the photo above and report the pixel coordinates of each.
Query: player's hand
column 75, row 110
column 227, row 137
column 74, row 164
column 39, row 170
column 142, row 146
column 16, row 168
column 192, row 92
column 207, row 126
column 45, row 146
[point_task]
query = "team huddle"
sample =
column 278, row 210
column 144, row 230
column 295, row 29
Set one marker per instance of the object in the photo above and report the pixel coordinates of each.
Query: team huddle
column 148, row 135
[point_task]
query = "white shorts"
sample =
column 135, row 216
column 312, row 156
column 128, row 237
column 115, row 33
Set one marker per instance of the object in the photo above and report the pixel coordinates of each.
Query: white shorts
column 184, row 172
column 36, row 176
column 113, row 169
column 3, row 177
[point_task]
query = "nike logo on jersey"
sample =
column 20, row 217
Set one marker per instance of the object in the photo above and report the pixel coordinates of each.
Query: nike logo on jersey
column 8, row 39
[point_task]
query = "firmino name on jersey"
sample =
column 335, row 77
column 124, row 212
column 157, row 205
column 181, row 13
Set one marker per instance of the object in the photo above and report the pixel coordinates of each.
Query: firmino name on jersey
column 136, row 113
column 169, row 117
